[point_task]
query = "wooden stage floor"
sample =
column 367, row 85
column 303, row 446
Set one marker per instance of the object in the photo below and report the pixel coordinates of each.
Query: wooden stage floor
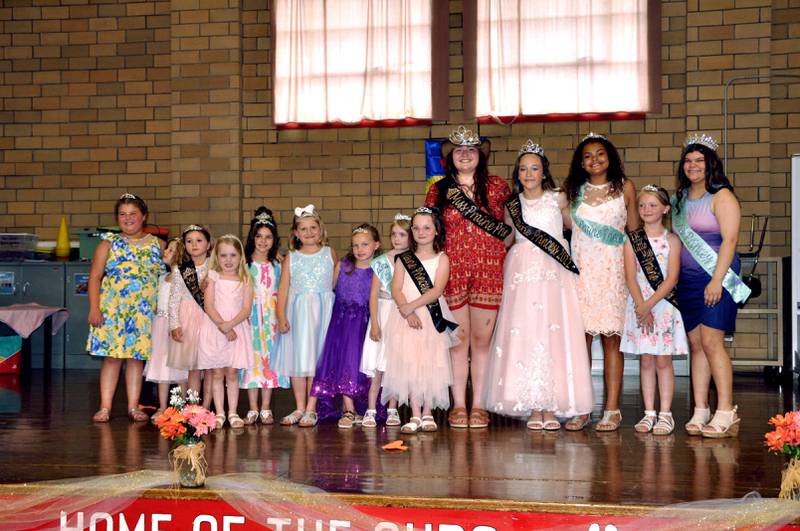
column 47, row 434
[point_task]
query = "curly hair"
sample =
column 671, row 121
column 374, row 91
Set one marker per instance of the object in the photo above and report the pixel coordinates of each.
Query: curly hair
column 578, row 176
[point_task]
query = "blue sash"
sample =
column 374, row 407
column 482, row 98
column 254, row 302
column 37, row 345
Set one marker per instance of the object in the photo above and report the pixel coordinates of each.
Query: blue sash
column 704, row 254
column 597, row 231
column 384, row 270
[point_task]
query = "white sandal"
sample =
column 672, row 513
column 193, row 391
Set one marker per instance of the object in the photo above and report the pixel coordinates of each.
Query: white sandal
column 251, row 418
column 665, row 424
column 700, row 418
column 369, row 419
column 646, row 424
column 412, row 426
column 606, row 423
column 266, row 417
column 724, row 424
column 392, row 417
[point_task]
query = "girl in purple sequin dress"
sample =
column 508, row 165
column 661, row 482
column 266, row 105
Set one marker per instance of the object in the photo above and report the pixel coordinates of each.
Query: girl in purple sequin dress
column 338, row 368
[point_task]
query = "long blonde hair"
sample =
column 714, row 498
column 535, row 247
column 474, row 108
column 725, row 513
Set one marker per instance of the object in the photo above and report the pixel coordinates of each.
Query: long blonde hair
column 236, row 243
column 295, row 243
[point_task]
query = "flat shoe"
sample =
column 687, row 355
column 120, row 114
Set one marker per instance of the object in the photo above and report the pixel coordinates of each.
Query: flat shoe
column 428, row 424
column 551, row 425
column 292, row 418
column 412, row 426
column 266, row 417
column 611, row 420
column 478, row 418
column 102, row 415
column 251, row 418
column 577, row 423
column 220, row 421
column 235, row 421
column 392, row 417
column 309, row 420
column 535, row 425
column 137, row 415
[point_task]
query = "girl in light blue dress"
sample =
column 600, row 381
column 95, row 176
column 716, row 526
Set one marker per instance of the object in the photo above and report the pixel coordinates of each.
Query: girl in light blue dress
column 305, row 301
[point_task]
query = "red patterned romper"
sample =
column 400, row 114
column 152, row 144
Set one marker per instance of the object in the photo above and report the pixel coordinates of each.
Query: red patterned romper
column 476, row 257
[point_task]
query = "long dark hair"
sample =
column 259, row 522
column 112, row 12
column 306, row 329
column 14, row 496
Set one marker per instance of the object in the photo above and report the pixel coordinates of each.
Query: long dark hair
column 716, row 179
column 481, row 180
column 364, row 228
column 578, row 176
column 548, row 183
column 439, row 240
column 255, row 225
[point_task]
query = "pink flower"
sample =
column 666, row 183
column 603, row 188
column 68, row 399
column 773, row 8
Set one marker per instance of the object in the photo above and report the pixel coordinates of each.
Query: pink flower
column 202, row 422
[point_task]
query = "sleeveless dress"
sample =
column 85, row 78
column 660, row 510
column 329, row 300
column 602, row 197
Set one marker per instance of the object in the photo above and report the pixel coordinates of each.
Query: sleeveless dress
column 264, row 321
column 418, row 361
column 601, row 285
column 127, row 299
column 373, row 356
column 186, row 314
column 215, row 351
column 693, row 278
column 337, row 371
column 308, row 310
column 668, row 337
column 538, row 358
column 156, row 369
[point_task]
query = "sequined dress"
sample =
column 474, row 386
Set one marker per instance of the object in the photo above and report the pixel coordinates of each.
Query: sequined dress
column 127, row 299
column 601, row 285
column 338, row 368
column 263, row 319
column 668, row 336
column 308, row 310
column 538, row 358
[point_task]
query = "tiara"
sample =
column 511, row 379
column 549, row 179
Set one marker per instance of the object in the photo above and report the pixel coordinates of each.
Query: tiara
column 424, row 210
column 360, row 230
column 190, row 228
column 652, row 188
column 704, row 140
column 401, row 217
column 464, row 137
column 593, row 135
column 128, row 195
column 264, row 219
column 533, row 149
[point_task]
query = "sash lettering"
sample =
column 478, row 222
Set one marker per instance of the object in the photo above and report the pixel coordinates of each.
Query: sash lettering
column 384, row 270
column 467, row 208
column 649, row 263
column 422, row 281
column 538, row 237
column 189, row 274
column 597, row 231
column 705, row 255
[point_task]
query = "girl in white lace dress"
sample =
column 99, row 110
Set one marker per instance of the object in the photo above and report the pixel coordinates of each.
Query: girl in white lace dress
column 539, row 368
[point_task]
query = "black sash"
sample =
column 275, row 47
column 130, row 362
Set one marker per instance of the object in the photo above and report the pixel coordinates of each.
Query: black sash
column 189, row 274
column 538, row 237
column 467, row 208
column 647, row 260
column 423, row 283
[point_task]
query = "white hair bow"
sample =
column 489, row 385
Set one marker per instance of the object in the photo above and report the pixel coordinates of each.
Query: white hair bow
column 308, row 210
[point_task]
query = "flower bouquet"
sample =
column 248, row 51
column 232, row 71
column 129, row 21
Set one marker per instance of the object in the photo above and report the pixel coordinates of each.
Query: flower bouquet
column 184, row 423
column 785, row 439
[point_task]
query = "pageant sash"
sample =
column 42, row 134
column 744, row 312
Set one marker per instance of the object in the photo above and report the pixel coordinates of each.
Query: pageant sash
column 423, row 283
column 189, row 274
column 467, row 208
column 597, row 231
column 705, row 255
column 649, row 263
column 538, row 237
column 384, row 270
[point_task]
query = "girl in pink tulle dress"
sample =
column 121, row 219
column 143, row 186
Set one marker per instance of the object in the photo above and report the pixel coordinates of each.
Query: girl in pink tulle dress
column 226, row 342
column 538, row 367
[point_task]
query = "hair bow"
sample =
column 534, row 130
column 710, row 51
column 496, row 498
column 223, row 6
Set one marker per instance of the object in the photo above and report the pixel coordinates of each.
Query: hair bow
column 306, row 211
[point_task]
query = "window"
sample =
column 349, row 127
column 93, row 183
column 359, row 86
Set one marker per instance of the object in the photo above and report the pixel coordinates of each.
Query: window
column 541, row 57
column 352, row 60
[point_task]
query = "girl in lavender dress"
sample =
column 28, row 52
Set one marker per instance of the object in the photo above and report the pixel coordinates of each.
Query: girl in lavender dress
column 338, row 371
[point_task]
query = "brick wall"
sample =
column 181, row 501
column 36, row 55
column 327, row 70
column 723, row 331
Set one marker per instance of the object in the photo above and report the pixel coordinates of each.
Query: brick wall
column 171, row 99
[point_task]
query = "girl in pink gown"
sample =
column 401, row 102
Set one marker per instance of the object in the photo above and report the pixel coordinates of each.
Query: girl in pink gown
column 539, row 368
column 226, row 340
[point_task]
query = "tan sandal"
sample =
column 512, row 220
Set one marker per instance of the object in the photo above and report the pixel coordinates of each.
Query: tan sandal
column 724, row 424
column 103, row 415
column 611, row 420
column 347, row 420
column 478, row 418
column 137, row 415
column 458, row 418
column 700, row 418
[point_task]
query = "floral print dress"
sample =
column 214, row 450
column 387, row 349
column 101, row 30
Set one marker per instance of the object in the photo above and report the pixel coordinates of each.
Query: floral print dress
column 127, row 299
column 668, row 336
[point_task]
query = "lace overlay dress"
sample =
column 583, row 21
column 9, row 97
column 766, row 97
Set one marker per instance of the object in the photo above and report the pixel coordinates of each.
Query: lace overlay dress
column 601, row 285
column 156, row 369
column 186, row 314
column 668, row 336
column 538, row 358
